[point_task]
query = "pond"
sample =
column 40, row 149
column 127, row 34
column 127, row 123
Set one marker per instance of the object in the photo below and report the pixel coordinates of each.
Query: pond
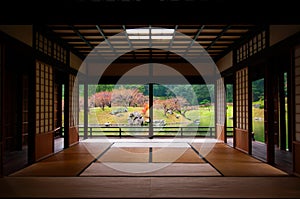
column 258, row 129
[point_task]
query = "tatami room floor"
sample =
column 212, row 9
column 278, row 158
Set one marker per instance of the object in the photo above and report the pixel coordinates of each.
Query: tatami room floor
column 101, row 168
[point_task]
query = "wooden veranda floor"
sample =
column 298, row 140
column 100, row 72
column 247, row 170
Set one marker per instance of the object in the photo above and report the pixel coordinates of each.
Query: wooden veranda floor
column 283, row 159
column 150, row 168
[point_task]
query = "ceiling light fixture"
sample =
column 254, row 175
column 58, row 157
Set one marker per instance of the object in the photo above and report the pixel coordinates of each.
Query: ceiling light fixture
column 156, row 33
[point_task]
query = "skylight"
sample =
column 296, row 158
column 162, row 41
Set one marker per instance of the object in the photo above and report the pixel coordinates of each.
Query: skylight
column 156, row 33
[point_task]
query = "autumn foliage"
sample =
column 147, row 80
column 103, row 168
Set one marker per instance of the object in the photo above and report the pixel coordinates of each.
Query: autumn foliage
column 134, row 98
column 102, row 99
column 176, row 104
column 117, row 97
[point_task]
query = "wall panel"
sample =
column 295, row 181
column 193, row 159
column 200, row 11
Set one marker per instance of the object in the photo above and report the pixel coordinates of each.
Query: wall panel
column 296, row 143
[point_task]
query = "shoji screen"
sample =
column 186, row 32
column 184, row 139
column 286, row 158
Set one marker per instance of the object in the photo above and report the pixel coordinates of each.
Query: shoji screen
column 73, row 110
column 44, row 98
column 44, row 139
column 221, row 111
column 242, row 110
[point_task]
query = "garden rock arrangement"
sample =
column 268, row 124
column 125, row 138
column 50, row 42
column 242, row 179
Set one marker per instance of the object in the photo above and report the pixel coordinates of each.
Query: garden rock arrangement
column 135, row 119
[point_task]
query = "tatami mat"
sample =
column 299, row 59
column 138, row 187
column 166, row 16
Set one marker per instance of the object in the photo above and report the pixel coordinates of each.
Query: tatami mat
column 149, row 169
column 231, row 162
column 152, row 144
column 69, row 162
column 220, row 158
column 125, row 154
column 96, row 148
column 179, row 155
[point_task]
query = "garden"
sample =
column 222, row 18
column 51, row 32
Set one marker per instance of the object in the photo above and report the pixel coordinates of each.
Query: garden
column 109, row 105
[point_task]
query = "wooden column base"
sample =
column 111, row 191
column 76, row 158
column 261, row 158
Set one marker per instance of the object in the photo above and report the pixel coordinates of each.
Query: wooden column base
column 241, row 140
column 296, row 158
column 44, row 145
column 73, row 136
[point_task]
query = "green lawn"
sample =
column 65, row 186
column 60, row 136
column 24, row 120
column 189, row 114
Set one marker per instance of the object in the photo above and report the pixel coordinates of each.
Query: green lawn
column 204, row 114
column 99, row 116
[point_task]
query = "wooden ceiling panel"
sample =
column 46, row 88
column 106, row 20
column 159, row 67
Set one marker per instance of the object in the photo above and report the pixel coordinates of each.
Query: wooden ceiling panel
column 218, row 39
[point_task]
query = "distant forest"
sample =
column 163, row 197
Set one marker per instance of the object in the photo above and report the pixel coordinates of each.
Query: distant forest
column 194, row 94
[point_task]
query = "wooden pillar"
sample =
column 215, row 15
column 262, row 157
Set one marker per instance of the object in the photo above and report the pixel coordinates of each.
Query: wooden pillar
column 234, row 109
column 151, row 110
column 295, row 111
column 291, row 103
column 151, row 119
column 249, row 110
column 59, row 108
column 85, row 110
column 67, row 103
column 216, row 109
column 19, row 113
column 282, row 112
column 225, row 112
column 1, row 110
column 32, row 115
column 32, row 103
column 270, row 87
column 66, row 110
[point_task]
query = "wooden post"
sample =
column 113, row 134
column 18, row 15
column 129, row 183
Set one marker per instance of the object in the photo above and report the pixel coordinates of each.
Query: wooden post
column 32, row 103
column 282, row 112
column 291, row 104
column 67, row 103
column 59, row 106
column 151, row 110
column 249, row 112
column 1, row 110
column 269, row 113
column 66, row 110
column 85, row 110
column 225, row 112
column 234, row 104
column 20, row 87
column 215, row 110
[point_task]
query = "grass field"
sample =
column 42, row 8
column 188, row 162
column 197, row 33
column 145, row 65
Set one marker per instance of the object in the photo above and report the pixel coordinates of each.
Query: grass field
column 204, row 114
column 99, row 116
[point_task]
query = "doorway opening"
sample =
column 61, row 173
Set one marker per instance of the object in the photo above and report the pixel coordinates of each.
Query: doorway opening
column 146, row 110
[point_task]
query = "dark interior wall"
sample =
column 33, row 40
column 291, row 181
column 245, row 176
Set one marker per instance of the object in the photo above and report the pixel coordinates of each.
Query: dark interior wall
column 16, row 61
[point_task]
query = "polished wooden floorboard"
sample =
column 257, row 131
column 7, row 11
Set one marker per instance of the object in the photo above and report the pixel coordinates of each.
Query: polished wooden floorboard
column 232, row 162
column 283, row 159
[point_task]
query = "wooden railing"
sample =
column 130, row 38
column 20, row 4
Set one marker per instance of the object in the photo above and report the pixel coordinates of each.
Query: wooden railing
column 143, row 131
